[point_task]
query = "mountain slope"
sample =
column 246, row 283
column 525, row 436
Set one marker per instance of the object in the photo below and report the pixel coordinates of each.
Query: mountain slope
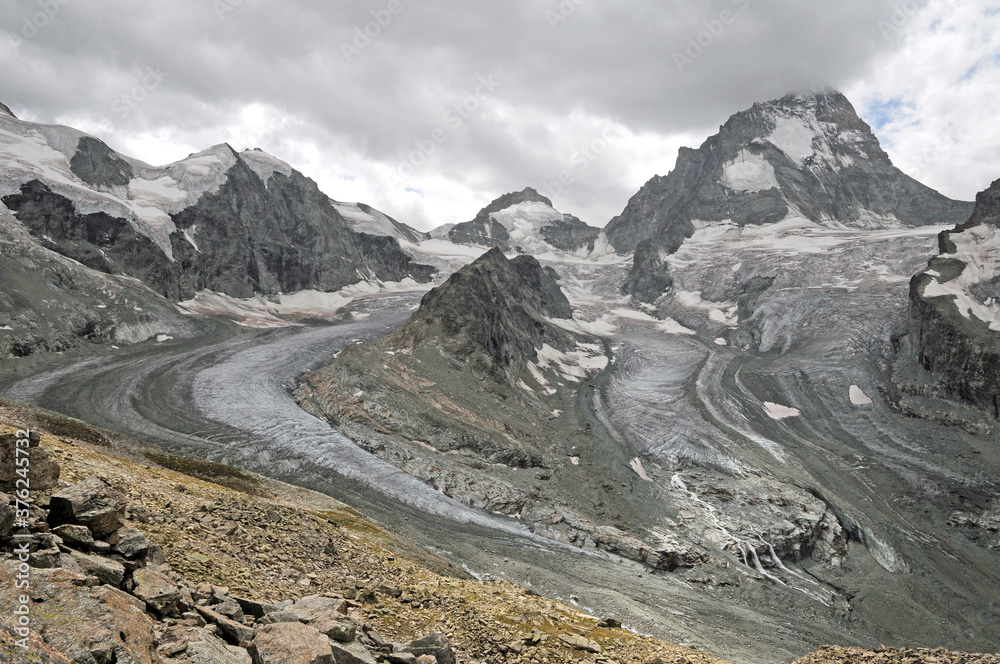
column 524, row 222
column 808, row 157
column 235, row 223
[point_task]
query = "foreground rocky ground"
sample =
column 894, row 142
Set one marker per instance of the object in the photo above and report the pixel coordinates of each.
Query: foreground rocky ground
column 151, row 564
column 153, row 559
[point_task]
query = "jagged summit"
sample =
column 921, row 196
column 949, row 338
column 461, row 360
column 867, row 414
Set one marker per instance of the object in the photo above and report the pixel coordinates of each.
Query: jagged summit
column 807, row 156
column 525, row 222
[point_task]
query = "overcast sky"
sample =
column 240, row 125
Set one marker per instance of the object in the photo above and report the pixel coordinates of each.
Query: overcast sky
column 429, row 109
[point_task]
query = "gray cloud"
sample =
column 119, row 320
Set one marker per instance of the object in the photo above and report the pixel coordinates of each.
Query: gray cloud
column 566, row 70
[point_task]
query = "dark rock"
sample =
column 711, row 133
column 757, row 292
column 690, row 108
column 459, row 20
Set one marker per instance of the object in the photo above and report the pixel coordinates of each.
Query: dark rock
column 7, row 516
column 160, row 593
column 76, row 536
column 106, row 570
column 129, row 542
column 100, row 166
column 435, row 645
column 92, row 503
column 957, row 348
column 254, row 608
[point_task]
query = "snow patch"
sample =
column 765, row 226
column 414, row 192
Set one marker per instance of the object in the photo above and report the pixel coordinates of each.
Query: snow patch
column 858, row 397
column 749, row 172
column 265, row 165
column 573, row 365
column 283, row 310
column 778, row 412
column 636, row 465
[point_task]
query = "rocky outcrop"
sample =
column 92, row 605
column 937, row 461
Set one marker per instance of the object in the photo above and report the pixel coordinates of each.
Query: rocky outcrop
column 954, row 313
column 23, row 458
column 804, row 156
column 109, row 597
column 100, row 166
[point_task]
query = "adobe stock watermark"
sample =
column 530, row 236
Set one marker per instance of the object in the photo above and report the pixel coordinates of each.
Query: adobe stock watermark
column 453, row 119
column 565, row 9
column 225, row 7
column 902, row 14
column 21, row 617
column 372, row 30
column 37, row 21
column 698, row 43
column 149, row 80
column 580, row 160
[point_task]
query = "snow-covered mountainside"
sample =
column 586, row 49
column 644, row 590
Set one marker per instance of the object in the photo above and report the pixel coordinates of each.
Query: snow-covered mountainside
column 955, row 311
column 806, row 157
column 524, row 222
column 238, row 224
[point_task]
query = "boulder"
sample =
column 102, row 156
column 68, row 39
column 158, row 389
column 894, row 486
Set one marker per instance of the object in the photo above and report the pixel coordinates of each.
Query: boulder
column 350, row 653
column 291, row 643
column 279, row 616
column 129, row 542
column 435, row 645
column 106, row 570
column 336, row 626
column 45, row 558
column 157, row 590
column 236, row 633
column 75, row 536
column 254, row 608
column 580, row 643
column 100, row 624
column 43, row 470
column 194, row 645
column 92, row 503
column 309, row 608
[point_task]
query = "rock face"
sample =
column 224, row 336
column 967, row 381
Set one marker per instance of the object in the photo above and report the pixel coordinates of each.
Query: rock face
column 807, row 157
column 525, row 222
column 954, row 315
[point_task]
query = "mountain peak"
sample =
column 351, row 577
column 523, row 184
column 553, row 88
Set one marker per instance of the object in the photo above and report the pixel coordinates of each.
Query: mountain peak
column 5, row 109
column 804, row 155
column 526, row 222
